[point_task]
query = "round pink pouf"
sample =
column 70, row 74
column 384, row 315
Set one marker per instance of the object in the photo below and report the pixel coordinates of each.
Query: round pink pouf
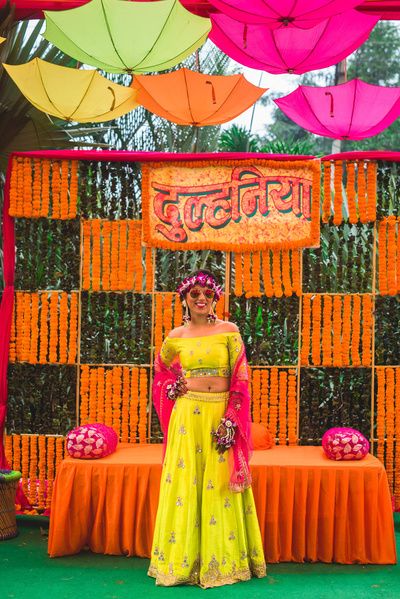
column 342, row 443
column 91, row 441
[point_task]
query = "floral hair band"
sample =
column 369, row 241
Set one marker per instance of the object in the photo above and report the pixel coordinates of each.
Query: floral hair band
column 202, row 279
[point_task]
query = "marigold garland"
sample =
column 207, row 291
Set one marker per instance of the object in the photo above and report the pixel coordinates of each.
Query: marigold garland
column 238, row 274
column 95, row 258
column 266, row 269
column 92, row 395
column 134, row 406
column 63, row 327
column 382, row 268
column 326, row 204
column 338, row 199
column 122, row 263
column 247, row 274
column 292, row 407
column 84, row 393
column 34, row 328
column 256, row 395
column 51, row 444
column 125, row 405
column 19, row 323
column 371, row 190
column 16, row 452
column 8, row 450
column 158, row 324
column 25, row 463
column 114, row 254
column 178, row 313
column 43, row 338
column 45, row 194
column 327, row 331
column 296, row 256
column 286, row 280
column 108, row 404
column 87, row 228
column 397, row 437
column 42, row 472
column 60, row 450
column 346, row 330
column 367, row 325
column 362, row 200
column 12, row 351
column 355, row 331
column 116, row 402
column 28, row 212
column 53, row 337
column 276, row 273
column 351, row 191
column 73, row 189
column 391, row 255
column 106, row 257
column 282, row 406
column 64, row 204
column 73, row 328
column 306, row 329
column 337, row 330
column 273, row 401
column 142, row 428
column 398, row 256
column 149, row 270
column 316, row 330
column 380, row 413
column 32, row 495
column 36, row 188
column 389, row 422
column 265, row 399
column 138, row 257
column 56, row 189
column 26, row 341
column 14, row 209
column 255, row 276
column 100, row 395
column 167, row 313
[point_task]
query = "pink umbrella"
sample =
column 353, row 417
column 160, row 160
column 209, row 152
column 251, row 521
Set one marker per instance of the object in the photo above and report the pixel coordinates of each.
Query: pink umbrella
column 281, row 13
column 352, row 110
column 292, row 50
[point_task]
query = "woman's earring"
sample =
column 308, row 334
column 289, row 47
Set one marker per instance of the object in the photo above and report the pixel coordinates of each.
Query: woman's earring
column 186, row 316
column 211, row 317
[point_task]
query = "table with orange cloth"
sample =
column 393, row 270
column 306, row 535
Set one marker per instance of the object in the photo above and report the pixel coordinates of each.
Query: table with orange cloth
column 309, row 507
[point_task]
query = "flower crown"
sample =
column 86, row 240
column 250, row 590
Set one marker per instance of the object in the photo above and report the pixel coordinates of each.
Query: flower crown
column 202, row 279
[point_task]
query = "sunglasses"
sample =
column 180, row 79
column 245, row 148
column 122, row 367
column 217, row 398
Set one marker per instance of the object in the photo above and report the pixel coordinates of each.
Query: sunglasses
column 195, row 293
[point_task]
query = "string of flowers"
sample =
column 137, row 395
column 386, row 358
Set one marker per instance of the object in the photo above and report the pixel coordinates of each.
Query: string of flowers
column 122, row 255
column 256, row 395
column 87, row 229
column 16, row 449
column 220, row 308
column 391, row 255
column 238, row 274
column 382, row 238
column 63, row 327
column 337, row 200
column 255, row 277
column 246, row 274
column 346, row 332
column 266, row 269
column 50, row 451
column 292, row 407
column 362, row 200
column 282, row 406
column 398, row 256
column 355, row 331
column 287, row 283
column 326, row 204
column 114, row 254
column 26, row 327
column 316, row 330
column 44, row 312
column 42, row 472
column 100, row 394
column 178, row 314
column 8, row 449
column 116, row 404
column 84, row 393
column 73, row 328
column 56, row 189
column 12, row 351
column 25, row 464
column 337, row 330
column 142, row 428
column 367, row 309
column 125, row 405
column 138, row 257
column 45, row 193
column 64, row 204
column 15, row 209
column 389, row 421
column 371, row 190
column 53, row 336
column 380, row 413
column 306, row 329
column 28, row 188
column 327, row 331
column 167, row 313
column 95, row 237
column 106, row 256
column 108, row 404
column 32, row 496
column 265, row 378
column 134, row 405
column 273, row 401
column 296, row 256
column 158, row 324
column 149, row 269
column 34, row 328
column 60, row 450
column 276, row 273
column 351, row 192
column 36, row 188
column 73, row 189
column 19, row 325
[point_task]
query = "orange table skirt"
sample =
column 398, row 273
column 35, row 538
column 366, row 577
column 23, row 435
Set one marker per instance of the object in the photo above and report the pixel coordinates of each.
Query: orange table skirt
column 309, row 508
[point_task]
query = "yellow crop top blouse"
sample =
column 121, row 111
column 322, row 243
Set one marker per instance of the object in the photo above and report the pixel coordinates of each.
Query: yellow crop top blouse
column 211, row 355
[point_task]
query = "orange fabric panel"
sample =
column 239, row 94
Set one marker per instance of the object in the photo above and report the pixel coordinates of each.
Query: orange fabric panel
column 309, row 508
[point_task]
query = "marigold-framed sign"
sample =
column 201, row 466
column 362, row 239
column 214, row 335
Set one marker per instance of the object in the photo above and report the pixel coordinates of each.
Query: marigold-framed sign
column 231, row 205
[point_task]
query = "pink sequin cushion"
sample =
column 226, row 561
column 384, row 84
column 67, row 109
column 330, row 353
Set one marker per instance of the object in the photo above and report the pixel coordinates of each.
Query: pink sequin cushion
column 91, row 441
column 342, row 443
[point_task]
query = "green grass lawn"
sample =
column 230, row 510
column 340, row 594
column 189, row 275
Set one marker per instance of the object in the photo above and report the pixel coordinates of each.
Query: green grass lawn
column 26, row 572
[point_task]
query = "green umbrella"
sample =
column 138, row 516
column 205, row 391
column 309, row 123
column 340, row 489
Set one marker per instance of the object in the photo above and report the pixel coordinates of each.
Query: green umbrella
column 127, row 37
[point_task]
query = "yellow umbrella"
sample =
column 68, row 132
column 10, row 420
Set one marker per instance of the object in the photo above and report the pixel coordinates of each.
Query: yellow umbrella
column 2, row 39
column 83, row 96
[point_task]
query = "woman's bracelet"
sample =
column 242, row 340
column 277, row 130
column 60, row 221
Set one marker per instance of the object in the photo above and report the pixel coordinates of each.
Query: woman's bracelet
column 225, row 438
column 174, row 389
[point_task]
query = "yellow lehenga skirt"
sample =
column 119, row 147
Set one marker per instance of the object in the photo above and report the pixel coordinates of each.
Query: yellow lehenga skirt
column 205, row 534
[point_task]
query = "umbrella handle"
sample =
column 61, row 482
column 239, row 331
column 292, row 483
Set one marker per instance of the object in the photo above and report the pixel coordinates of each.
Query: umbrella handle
column 113, row 95
column 331, row 95
column 214, row 99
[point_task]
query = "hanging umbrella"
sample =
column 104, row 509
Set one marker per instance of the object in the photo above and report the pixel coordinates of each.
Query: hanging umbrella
column 283, row 13
column 190, row 98
column 127, row 37
column 352, row 110
column 292, row 50
column 83, row 96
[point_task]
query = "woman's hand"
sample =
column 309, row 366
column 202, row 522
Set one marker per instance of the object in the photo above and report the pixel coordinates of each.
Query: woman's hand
column 177, row 389
column 224, row 436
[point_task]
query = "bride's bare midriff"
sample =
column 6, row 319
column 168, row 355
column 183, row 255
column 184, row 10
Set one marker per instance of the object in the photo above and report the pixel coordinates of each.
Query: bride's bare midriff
column 208, row 384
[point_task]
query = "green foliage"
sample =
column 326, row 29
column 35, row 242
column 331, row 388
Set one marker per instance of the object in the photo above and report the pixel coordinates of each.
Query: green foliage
column 333, row 397
column 171, row 267
column 388, row 182
column 237, row 139
column 41, row 399
column 387, row 331
column 289, row 146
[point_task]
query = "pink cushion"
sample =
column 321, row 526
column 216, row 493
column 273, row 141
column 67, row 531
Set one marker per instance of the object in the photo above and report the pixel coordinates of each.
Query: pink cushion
column 91, row 441
column 342, row 443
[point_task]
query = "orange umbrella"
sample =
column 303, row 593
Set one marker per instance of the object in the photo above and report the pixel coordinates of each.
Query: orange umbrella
column 190, row 98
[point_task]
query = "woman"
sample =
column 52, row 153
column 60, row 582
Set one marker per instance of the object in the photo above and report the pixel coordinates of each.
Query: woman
column 206, row 531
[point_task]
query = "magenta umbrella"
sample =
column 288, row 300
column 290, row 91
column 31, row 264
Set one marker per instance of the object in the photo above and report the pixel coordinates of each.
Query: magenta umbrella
column 352, row 110
column 283, row 13
column 292, row 50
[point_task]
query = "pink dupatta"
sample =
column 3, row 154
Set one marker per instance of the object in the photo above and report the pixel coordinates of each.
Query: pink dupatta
column 238, row 410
